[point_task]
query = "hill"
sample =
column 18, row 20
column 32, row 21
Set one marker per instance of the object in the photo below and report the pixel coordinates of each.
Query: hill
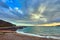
column 5, row 24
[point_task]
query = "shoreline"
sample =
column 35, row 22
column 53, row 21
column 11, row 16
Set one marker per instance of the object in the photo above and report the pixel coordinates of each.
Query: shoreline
column 12, row 35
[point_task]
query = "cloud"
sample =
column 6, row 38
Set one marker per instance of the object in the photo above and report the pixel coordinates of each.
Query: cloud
column 52, row 10
column 42, row 8
column 49, row 9
column 55, row 20
column 18, row 10
column 7, row 14
column 33, row 11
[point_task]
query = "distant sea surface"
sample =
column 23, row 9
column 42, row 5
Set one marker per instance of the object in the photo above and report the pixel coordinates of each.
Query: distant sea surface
column 55, row 30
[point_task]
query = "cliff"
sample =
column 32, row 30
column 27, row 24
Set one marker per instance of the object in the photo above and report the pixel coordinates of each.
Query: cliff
column 5, row 24
column 8, row 26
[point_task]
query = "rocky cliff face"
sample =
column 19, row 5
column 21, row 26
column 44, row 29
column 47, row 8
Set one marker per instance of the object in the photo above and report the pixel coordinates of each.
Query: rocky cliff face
column 5, row 24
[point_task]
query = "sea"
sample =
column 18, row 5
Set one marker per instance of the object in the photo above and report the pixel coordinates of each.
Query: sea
column 41, row 30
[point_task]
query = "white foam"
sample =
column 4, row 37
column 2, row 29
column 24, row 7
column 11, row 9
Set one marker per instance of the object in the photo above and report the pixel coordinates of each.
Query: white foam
column 28, row 34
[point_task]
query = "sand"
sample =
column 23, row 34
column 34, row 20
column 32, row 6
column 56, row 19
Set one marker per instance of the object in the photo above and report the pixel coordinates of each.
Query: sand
column 15, row 36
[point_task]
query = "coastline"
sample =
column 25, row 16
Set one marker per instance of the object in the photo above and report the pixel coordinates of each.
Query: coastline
column 11, row 35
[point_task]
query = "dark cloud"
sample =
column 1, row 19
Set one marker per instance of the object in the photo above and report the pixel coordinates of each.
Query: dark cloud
column 55, row 20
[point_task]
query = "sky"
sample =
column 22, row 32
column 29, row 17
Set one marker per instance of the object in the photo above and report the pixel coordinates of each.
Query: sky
column 30, row 11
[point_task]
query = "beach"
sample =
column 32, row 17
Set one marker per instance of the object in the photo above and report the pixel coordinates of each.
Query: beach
column 11, row 35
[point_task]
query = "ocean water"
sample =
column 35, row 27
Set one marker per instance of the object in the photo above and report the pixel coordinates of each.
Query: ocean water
column 55, row 30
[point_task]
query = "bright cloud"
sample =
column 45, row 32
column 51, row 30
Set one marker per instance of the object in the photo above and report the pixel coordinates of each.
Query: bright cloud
column 33, row 10
column 18, row 10
column 42, row 8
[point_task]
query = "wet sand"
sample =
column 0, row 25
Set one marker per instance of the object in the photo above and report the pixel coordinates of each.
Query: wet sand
column 10, row 35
